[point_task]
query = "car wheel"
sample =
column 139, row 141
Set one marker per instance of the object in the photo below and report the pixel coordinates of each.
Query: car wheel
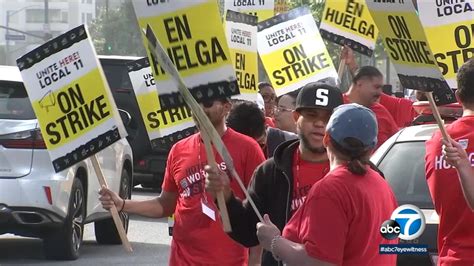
column 64, row 244
column 155, row 184
column 105, row 230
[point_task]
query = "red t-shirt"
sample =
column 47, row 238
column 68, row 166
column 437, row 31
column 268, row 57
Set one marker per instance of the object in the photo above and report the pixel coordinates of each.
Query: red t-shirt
column 385, row 122
column 197, row 239
column 456, row 224
column 401, row 109
column 341, row 218
column 305, row 174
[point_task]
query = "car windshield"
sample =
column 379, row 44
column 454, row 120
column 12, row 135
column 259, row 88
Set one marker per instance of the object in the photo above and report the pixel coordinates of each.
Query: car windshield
column 404, row 168
column 117, row 76
column 14, row 102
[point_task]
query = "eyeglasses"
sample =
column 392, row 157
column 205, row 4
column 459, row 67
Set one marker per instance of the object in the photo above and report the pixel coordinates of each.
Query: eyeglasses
column 207, row 103
column 210, row 103
column 268, row 98
column 280, row 109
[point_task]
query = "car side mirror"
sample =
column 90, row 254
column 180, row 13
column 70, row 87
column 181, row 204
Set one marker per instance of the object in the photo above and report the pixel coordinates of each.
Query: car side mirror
column 126, row 117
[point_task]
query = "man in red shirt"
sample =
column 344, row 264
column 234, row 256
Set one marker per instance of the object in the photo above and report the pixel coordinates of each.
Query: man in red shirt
column 401, row 109
column 456, row 230
column 339, row 223
column 365, row 90
column 198, row 238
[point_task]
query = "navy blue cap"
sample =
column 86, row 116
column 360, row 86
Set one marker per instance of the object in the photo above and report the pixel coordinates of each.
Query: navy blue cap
column 353, row 121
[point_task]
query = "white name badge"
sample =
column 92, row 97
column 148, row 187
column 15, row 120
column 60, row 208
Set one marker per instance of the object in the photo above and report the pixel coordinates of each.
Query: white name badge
column 208, row 211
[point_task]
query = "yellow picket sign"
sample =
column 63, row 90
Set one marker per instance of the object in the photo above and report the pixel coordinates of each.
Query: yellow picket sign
column 452, row 47
column 405, row 39
column 296, row 62
column 241, row 32
column 71, row 98
column 246, row 68
column 70, row 112
column 73, row 104
column 192, row 34
column 164, row 126
column 349, row 23
column 449, row 29
column 292, row 51
column 408, row 48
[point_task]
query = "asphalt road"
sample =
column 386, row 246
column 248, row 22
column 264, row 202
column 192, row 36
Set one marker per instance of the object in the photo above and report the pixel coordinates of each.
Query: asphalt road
column 148, row 237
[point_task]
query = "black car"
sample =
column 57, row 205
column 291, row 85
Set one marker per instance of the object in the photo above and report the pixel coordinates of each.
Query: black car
column 149, row 164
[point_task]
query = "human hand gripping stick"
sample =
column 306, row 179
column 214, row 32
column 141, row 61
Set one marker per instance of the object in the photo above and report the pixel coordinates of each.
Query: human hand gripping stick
column 108, row 198
column 454, row 154
column 217, row 181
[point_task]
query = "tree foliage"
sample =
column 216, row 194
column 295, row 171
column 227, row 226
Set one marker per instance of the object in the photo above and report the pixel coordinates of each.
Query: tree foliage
column 116, row 31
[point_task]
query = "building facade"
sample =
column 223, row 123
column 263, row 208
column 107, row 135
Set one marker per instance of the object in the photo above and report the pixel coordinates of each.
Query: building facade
column 38, row 23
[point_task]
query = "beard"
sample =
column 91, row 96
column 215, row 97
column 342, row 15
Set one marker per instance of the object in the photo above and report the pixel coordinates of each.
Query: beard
column 307, row 145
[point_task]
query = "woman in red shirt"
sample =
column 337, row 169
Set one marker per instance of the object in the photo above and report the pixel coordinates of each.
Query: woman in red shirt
column 339, row 223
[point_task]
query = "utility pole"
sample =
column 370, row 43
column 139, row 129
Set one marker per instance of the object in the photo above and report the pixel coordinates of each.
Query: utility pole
column 9, row 14
column 46, row 20
column 7, row 40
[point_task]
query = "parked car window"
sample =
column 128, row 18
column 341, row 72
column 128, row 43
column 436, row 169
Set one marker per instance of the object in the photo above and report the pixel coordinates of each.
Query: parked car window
column 14, row 102
column 117, row 76
column 404, row 168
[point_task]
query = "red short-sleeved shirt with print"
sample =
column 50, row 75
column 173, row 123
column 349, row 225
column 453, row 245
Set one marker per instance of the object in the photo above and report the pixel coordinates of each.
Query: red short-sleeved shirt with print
column 305, row 174
column 341, row 218
column 456, row 220
column 197, row 239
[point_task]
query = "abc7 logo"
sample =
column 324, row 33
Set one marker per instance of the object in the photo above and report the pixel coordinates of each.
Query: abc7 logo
column 407, row 223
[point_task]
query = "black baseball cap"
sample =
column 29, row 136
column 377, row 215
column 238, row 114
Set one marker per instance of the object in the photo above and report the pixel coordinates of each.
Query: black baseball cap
column 318, row 95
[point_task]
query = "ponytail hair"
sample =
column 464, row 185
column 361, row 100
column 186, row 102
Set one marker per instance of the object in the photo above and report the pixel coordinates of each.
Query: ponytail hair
column 357, row 154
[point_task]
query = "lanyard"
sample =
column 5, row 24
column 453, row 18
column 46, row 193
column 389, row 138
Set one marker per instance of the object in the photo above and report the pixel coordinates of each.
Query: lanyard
column 201, row 170
column 297, row 174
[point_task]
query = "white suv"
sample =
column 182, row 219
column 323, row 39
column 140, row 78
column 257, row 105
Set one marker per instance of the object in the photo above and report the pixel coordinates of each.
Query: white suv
column 37, row 202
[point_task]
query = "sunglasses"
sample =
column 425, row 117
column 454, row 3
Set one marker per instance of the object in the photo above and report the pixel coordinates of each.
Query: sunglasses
column 279, row 109
column 210, row 103
column 207, row 103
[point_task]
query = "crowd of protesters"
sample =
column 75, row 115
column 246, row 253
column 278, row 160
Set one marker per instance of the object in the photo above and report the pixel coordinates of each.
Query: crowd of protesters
column 305, row 162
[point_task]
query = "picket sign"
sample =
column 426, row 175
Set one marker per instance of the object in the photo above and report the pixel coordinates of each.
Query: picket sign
column 205, row 126
column 202, row 119
column 81, row 79
column 348, row 22
column 113, row 210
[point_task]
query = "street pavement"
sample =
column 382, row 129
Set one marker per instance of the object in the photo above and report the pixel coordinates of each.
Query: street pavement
column 148, row 237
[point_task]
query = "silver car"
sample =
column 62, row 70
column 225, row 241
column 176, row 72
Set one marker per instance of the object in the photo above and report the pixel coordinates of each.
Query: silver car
column 37, row 202
column 402, row 160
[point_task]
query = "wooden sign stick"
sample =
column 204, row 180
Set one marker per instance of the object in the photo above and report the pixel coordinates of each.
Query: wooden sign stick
column 437, row 116
column 204, row 123
column 211, row 160
column 113, row 210
column 341, row 68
